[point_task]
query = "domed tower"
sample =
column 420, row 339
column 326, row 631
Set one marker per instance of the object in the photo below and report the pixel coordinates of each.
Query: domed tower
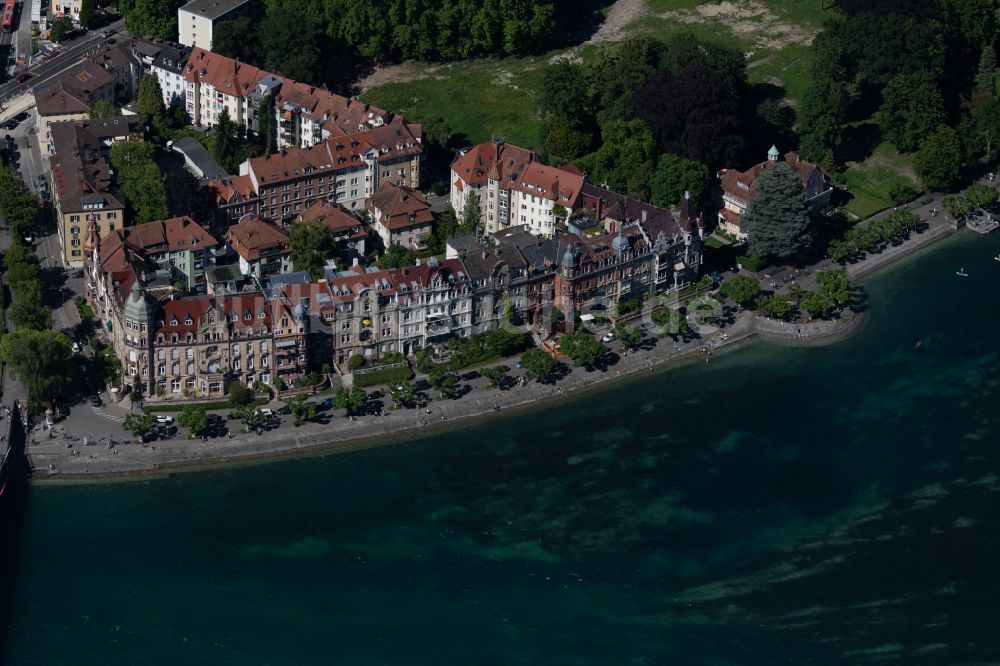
column 567, row 267
column 133, row 341
column 773, row 154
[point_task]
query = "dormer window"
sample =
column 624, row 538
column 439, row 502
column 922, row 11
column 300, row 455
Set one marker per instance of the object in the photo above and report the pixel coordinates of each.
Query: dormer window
column 173, row 321
column 248, row 316
column 260, row 315
column 187, row 321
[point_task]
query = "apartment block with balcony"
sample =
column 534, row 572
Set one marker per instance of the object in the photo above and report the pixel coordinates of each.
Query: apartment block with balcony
column 196, row 21
column 514, row 188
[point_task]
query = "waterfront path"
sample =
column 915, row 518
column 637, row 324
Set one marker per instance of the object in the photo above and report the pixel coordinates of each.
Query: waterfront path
column 335, row 432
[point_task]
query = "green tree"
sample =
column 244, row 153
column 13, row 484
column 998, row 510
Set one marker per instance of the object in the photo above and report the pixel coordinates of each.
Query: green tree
column 104, row 109
column 444, row 383
column 625, row 160
column 814, row 304
column 834, row 285
column 155, row 18
column 301, row 409
column 741, row 289
column 28, row 310
column 40, row 359
column 224, row 139
column 630, row 337
column 618, row 71
column 821, row 116
column 352, row 399
column 402, row 394
column 240, row 394
column 676, row 175
column 472, row 214
column 670, row 321
column 911, row 108
column 356, row 361
column 986, row 75
column 251, row 416
column 139, row 180
column 777, row 220
column 235, row 37
column 139, row 424
column 495, row 374
column 583, row 348
column 397, row 256
column 774, row 305
column 939, row 160
column 312, row 244
column 60, row 29
column 149, row 100
column 287, row 25
column 538, row 365
column 195, row 419
column 86, row 13
column 564, row 138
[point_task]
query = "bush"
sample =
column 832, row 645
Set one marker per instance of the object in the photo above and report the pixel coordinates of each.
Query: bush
column 384, row 376
column 219, row 404
column 752, row 263
column 356, row 361
column 311, row 379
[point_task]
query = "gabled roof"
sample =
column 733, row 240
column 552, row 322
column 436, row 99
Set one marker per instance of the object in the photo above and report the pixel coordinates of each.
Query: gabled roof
column 253, row 235
column 171, row 235
column 740, row 184
column 492, row 160
column 334, row 217
column 400, row 207
column 230, row 189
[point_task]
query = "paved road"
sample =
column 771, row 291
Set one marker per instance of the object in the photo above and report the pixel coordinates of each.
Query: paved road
column 42, row 72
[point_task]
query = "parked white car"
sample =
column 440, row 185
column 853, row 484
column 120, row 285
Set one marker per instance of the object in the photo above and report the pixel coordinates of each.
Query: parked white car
column 164, row 419
column 608, row 337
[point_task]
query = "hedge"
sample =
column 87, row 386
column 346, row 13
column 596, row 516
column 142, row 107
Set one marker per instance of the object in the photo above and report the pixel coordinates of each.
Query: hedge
column 384, row 376
column 209, row 406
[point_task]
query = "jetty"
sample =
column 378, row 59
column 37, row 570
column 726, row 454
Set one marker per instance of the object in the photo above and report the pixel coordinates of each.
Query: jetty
column 983, row 225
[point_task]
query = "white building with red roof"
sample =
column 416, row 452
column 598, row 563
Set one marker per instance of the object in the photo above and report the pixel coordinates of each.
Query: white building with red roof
column 514, row 187
column 738, row 188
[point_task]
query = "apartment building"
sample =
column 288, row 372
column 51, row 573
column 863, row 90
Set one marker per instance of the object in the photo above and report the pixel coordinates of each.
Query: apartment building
column 738, row 188
column 262, row 247
column 235, row 196
column 400, row 216
column 179, row 245
column 344, row 170
column 388, row 311
column 303, row 115
column 168, row 66
column 81, row 181
column 70, row 97
column 196, row 21
column 348, row 231
column 115, row 57
column 514, row 188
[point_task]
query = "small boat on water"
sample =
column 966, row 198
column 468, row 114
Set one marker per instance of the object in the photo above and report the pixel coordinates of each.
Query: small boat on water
column 961, row 272
column 920, row 343
column 996, row 258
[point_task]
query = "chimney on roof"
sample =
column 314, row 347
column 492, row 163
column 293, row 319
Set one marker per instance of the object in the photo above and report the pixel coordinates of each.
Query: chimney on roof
column 644, row 216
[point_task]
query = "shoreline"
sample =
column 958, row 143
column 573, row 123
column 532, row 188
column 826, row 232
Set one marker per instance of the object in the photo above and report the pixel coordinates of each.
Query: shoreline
column 832, row 331
column 745, row 327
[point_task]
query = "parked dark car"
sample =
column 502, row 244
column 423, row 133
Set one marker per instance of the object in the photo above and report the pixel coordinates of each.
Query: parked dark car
column 95, row 400
column 23, row 76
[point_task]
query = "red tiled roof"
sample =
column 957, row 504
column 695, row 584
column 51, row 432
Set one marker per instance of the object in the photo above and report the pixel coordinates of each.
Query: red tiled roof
column 333, row 217
column 740, row 184
column 174, row 234
column 497, row 161
column 400, row 207
column 253, row 235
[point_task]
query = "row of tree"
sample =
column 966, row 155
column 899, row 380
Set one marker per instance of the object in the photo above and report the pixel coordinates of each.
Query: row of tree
column 36, row 354
column 859, row 241
column 834, row 291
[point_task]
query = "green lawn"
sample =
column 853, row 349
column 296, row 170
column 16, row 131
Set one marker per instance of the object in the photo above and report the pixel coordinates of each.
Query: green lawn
column 870, row 181
column 478, row 99
column 774, row 34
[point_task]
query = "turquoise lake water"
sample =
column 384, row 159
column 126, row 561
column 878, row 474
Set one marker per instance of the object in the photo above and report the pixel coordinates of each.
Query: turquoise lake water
column 780, row 505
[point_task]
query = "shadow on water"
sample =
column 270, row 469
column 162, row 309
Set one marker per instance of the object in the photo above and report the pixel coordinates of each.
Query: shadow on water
column 13, row 510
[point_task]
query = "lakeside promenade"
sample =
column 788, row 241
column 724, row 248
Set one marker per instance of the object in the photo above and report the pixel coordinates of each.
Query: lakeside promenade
column 332, row 432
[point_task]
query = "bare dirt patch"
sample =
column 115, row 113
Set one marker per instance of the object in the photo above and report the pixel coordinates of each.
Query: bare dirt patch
column 748, row 20
column 614, row 28
column 401, row 73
